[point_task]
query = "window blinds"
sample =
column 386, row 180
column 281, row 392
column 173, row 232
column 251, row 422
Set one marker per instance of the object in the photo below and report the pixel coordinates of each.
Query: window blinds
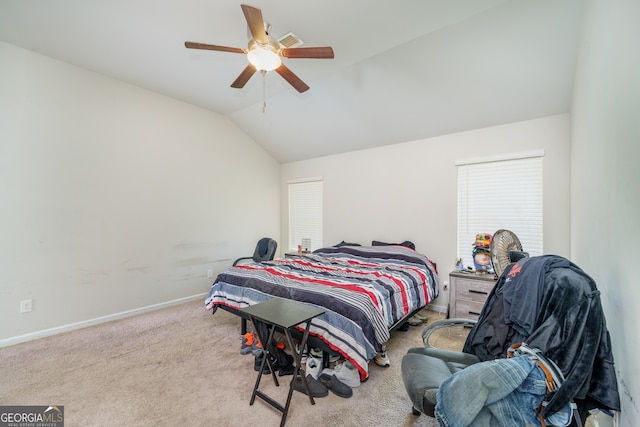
column 504, row 193
column 305, row 214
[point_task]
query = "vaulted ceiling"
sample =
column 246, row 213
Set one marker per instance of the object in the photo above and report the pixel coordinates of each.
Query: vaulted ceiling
column 403, row 70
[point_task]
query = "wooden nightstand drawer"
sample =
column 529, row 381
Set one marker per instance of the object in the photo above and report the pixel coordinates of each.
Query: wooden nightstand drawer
column 468, row 309
column 469, row 291
column 473, row 290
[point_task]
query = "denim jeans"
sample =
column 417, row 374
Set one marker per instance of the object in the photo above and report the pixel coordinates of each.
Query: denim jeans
column 502, row 392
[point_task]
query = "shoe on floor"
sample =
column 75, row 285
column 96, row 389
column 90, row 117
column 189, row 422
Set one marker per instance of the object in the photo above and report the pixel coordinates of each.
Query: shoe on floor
column 257, row 347
column 317, row 388
column 382, row 359
column 336, row 386
column 313, row 367
column 316, row 352
column 248, row 343
column 347, row 373
column 415, row 321
column 421, row 317
column 258, row 361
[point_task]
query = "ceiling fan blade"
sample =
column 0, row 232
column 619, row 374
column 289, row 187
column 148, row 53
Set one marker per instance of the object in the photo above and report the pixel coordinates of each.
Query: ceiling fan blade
column 294, row 80
column 324, row 52
column 255, row 23
column 244, row 77
column 194, row 45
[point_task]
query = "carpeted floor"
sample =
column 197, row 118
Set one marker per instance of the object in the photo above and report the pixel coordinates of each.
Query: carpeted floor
column 181, row 366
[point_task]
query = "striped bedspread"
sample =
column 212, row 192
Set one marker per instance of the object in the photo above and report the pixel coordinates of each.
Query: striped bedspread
column 364, row 290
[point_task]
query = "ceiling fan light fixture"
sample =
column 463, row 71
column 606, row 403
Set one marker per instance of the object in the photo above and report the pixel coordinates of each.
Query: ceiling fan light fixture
column 264, row 57
column 265, row 53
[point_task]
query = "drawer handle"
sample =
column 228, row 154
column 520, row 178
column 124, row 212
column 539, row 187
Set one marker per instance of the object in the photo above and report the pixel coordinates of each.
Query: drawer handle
column 474, row 313
column 473, row 291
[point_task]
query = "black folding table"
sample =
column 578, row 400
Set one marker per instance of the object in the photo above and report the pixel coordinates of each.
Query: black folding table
column 282, row 314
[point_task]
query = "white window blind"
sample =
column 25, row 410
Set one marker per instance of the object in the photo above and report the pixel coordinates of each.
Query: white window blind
column 503, row 193
column 305, row 214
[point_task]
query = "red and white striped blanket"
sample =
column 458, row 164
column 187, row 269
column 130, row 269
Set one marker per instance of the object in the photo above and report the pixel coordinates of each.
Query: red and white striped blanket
column 364, row 290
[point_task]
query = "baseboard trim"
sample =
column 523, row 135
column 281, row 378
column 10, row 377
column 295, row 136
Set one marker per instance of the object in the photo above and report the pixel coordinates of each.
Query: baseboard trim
column 437, row 308
column 85, row 323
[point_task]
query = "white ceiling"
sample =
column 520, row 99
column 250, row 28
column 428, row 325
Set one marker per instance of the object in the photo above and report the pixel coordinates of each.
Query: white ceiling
column 403, row 69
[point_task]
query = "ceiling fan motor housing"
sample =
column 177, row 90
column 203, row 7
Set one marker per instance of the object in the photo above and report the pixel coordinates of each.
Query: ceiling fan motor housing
column 264, row 56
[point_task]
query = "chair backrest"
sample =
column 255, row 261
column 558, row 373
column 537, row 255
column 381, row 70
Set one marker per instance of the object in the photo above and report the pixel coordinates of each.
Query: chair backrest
column 265, row 250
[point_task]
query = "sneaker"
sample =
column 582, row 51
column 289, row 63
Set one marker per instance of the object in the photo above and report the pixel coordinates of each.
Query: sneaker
column 319, row 354
column 257, row 347
column 382, row 359
column 327, row 371
column 315, row 352
column 421, row 317
column 317, row 388
column 336, row 386
column 347, row 373
column 415, row 321
column 248, row 342
column 313, row 367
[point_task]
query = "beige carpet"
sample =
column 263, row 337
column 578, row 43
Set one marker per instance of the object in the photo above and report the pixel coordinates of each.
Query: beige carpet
column 181, row 366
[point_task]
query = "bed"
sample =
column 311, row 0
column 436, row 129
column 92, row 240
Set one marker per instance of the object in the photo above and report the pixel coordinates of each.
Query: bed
column 366, row 292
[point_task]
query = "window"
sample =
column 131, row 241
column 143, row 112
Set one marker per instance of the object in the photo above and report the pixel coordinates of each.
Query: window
column 500, row 193
column 305, row 214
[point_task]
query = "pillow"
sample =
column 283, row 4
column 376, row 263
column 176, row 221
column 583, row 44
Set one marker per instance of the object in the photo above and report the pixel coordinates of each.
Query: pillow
column 343, row 243
column 406, row 243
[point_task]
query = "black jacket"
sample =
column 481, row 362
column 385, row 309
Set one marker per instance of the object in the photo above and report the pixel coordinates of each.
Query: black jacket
column 552, row 305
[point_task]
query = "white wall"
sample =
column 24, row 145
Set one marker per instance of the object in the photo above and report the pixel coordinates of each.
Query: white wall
column 605, row 178
column 408, row 191
column 113, row 198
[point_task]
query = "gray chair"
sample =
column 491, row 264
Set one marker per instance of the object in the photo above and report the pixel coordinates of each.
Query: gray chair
column 425, row 368
column 265, row 251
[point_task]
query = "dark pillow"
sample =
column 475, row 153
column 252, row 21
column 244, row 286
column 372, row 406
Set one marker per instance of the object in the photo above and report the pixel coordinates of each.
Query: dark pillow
column 406, row 243
column 343, row 243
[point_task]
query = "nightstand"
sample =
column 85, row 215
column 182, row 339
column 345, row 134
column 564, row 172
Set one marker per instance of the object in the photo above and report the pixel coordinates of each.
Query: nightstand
column 292, row 254
column 469, row 291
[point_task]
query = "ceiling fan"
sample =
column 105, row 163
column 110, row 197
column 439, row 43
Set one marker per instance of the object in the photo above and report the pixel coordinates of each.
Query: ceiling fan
column 264, row 52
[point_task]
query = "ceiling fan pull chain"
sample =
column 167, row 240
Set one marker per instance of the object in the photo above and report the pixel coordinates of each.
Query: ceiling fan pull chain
column 264, row 92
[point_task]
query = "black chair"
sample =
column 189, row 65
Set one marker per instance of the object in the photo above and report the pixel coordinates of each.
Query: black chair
column 265, row 251
column 568, row 328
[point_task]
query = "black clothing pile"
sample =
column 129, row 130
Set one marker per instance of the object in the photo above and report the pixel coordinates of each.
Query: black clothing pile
column 552, row 305
column 278, row 359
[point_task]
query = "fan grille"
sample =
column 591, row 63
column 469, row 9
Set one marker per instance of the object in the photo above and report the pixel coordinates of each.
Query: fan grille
column 502, row 242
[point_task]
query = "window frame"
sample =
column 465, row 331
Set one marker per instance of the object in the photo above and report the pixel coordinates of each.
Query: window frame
column 305, row 220
column 522, row 212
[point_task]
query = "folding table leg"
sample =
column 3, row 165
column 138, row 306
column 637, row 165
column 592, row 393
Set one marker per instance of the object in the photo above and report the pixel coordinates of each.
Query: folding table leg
column 264, row 360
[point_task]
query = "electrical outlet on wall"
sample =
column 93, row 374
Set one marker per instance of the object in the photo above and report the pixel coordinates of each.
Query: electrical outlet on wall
column 209, row 274
column 26, row 306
